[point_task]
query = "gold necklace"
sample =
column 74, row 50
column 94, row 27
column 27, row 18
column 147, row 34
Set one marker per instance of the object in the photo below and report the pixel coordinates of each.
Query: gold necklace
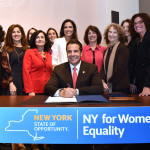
column 18, row 55
column 141, row 39
column 42, row 54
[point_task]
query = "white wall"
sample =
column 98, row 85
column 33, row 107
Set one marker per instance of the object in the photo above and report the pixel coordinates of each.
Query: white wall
column 43, row 14
column 126, row 9
column 144, row 6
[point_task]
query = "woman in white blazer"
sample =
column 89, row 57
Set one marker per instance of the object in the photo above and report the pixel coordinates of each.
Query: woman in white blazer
column 68, row 31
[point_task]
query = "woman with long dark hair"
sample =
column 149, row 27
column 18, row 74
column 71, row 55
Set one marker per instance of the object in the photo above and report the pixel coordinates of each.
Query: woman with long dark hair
column 140, row 58
column 68, row 31
column 13, row 51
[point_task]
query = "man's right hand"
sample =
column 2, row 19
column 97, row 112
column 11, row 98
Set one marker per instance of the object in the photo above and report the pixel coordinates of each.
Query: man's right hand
column 68, row 92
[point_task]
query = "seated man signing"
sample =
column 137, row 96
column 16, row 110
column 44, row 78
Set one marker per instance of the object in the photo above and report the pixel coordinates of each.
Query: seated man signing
column 74, row 77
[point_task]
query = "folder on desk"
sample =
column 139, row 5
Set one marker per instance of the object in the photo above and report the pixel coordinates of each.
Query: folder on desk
column 78, row 99
column 91, row 98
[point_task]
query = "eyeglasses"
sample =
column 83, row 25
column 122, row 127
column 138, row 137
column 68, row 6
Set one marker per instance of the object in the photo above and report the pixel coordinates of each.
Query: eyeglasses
column 139, row 22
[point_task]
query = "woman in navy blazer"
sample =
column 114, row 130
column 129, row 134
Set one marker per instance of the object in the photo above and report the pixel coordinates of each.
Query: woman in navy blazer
column 37, row 64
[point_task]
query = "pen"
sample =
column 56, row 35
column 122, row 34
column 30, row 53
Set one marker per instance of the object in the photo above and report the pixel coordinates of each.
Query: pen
column 68, row 85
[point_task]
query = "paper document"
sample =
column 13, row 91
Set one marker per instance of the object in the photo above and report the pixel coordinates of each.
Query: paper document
column 60, row 99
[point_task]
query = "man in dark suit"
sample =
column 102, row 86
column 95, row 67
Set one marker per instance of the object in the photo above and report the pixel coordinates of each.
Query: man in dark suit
column 61, row 82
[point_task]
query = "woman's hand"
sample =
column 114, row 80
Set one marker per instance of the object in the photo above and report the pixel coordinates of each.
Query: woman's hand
column 106, row 88
column 32, row 94
column 133, row 88
column 145, row 92
column 13, row 89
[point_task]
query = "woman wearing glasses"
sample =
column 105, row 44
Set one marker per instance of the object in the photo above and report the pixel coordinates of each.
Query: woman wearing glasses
column 140, row 57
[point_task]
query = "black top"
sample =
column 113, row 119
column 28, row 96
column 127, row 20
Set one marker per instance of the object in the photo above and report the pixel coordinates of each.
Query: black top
column 140, row 62
column 16, row 62
column 94, row 57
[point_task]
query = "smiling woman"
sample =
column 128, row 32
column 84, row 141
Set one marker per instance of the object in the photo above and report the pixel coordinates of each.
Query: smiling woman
column 68, row 31
column 93, row 52
column 29, row 34
column 37, row 64
column 13, row 50
column 140, row 57
column 12, row 59
column 114, row 71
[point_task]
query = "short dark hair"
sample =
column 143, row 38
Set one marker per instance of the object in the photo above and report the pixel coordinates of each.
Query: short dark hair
column 73, row 41
column 33, row 38
column 74, row 34
column 96, row 30
column 146, row 19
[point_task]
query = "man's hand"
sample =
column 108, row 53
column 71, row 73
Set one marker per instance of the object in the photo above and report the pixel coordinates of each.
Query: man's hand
column 68, row 92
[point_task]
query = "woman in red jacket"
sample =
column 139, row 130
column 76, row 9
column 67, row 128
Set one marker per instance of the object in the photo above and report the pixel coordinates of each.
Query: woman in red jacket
column 37, row 64
column 93, row 52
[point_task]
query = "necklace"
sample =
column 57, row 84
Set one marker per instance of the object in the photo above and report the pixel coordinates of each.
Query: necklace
column 42, row 54
column 141, row 39
column 18, row 55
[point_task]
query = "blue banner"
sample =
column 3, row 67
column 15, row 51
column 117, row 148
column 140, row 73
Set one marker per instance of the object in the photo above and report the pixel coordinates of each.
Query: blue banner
column 75, row 125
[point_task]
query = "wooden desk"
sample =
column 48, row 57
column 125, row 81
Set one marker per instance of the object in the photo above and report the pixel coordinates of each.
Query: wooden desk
column 38, row 101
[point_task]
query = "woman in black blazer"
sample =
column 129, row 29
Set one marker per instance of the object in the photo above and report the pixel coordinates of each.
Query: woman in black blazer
column 140, row 57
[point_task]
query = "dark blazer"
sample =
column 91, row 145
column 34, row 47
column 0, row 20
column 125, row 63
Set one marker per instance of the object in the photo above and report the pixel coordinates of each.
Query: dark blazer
column 88, row 81
column 120, row 76
column 139, row 66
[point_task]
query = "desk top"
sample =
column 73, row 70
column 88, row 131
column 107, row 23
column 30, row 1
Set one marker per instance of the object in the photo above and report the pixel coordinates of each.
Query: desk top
column 38, row 101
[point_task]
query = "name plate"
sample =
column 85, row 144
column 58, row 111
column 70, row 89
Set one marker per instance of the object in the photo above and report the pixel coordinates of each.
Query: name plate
column 68, row 125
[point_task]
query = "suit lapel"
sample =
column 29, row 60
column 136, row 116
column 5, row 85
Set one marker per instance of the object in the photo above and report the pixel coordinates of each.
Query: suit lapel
column 81, row 74
column 68, row 75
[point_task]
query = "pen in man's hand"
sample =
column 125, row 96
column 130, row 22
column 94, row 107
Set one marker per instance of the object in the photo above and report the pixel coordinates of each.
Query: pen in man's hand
column 68, row 85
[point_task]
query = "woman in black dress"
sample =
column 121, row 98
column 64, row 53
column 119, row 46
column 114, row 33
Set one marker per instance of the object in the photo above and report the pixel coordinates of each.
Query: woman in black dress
column 12, row 59
column 14, row 49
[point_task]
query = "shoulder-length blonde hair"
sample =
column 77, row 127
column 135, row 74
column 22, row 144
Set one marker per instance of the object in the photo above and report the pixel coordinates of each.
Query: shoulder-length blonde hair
column 120, row 31
column 9, row 44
